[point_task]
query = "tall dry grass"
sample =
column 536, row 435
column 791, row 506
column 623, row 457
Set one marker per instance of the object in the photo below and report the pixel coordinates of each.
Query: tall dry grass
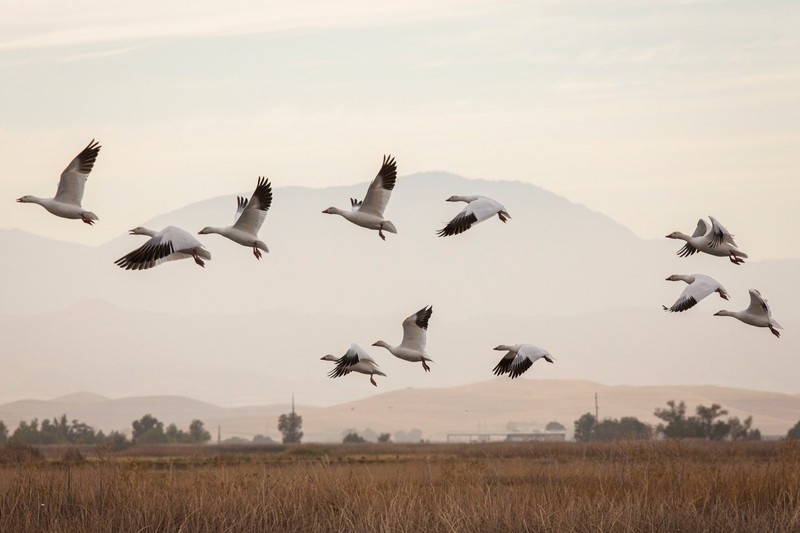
column 652, row 486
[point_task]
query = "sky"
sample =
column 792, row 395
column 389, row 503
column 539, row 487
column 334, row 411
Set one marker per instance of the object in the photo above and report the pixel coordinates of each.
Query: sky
column 655, row 113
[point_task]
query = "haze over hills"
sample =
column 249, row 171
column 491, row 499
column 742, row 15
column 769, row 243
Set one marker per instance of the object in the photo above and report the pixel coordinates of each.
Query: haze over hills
column 265, row 357
column 495, row 405
column 553, row 257
column 247, row 331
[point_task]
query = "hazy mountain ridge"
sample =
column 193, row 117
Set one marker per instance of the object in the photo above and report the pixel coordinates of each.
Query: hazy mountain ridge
column 487, row 406
column 552, row 257
column 246, row 331
column 265, row 357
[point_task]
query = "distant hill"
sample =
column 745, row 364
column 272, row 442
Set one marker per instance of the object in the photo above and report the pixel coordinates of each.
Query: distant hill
column 244, row 331
column 265, row 357
column 552, row 257
column 489, row 406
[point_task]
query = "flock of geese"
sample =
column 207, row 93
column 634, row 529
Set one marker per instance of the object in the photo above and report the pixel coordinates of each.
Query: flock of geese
column 716, row 240
column 174, row 243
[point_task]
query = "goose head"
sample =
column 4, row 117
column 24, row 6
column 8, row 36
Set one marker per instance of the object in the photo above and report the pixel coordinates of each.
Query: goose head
column 139, row 230
column 205, row 231
column 328, row 357
column 331, row 211
column 382, row 344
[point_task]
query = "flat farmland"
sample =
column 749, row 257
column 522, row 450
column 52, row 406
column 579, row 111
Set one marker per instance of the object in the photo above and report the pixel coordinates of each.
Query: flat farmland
column 624, row 486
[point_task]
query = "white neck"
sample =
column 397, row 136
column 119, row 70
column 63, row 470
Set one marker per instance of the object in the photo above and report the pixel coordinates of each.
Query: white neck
column 468, row 199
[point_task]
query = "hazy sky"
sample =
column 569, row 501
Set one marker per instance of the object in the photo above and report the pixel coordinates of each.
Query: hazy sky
column 653, row 112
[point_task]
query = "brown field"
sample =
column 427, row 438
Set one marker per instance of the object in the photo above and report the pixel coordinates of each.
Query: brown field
column 629, row 486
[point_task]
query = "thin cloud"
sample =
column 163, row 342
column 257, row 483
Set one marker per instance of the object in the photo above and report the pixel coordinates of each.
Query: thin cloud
column 101, row 53
column 26, row 30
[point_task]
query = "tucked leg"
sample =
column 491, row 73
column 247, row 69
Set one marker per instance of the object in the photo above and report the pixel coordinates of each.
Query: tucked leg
column 775, row 332
column 256, row 252
column 425, row 366
column 198, row 260
column 372, row 380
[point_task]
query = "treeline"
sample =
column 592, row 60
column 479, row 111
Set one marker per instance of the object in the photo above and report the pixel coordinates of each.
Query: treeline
column 707, row 423
column 147, row 429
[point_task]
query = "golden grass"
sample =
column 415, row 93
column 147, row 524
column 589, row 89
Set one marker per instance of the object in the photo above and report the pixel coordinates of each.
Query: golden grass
column 649, row 486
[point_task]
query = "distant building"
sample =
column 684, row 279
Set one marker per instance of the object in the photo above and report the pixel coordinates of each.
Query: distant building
column 536, row 436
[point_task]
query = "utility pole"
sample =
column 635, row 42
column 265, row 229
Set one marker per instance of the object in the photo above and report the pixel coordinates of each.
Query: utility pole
column 596, row 409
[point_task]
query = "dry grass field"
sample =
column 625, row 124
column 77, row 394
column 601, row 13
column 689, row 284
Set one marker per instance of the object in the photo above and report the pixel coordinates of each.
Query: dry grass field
column 629, row 486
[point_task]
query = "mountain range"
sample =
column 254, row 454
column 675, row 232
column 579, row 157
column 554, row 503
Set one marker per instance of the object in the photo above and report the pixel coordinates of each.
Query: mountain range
column 243, row 331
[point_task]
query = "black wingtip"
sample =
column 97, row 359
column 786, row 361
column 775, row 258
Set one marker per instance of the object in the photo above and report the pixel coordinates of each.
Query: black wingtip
column 388, row 172
column 423, row 316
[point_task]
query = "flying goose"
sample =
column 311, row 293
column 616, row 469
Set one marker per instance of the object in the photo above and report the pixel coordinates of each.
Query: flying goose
column 249, row 218
column 412, row 348
column 757, row 314
column 169, row 244
column 355, row 360
column 369, row 212
column 478, row 209
column 715, row 240
column 699, row 287
column 67, row 201
column 519, row 358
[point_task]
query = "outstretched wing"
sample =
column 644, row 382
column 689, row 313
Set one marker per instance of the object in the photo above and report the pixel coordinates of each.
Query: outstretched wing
column 758, row 305
column 686, row 250
column 73, row 179
column 480, row 209
column 701, row 229
column 460, row 223
column 504, row 366
column 719, row 234
column 152, row 253
column 380, row 190
column 519, row 365
column 241, row 203
column 693, row 293
column 415, row 328
column 352, row 357
column 169, row 244
column 254, row 212
column 526, row 356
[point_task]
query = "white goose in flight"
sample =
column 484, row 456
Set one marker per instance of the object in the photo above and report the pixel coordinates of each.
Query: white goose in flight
column 369, row 212
column 355, row 360
column 519, row 358
column 249, row 217
column 412, row 348
column 715, row 240
column 169, row 244
column 67, row 201
column 757, row 314
column 478, row 209
column 699, row 287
